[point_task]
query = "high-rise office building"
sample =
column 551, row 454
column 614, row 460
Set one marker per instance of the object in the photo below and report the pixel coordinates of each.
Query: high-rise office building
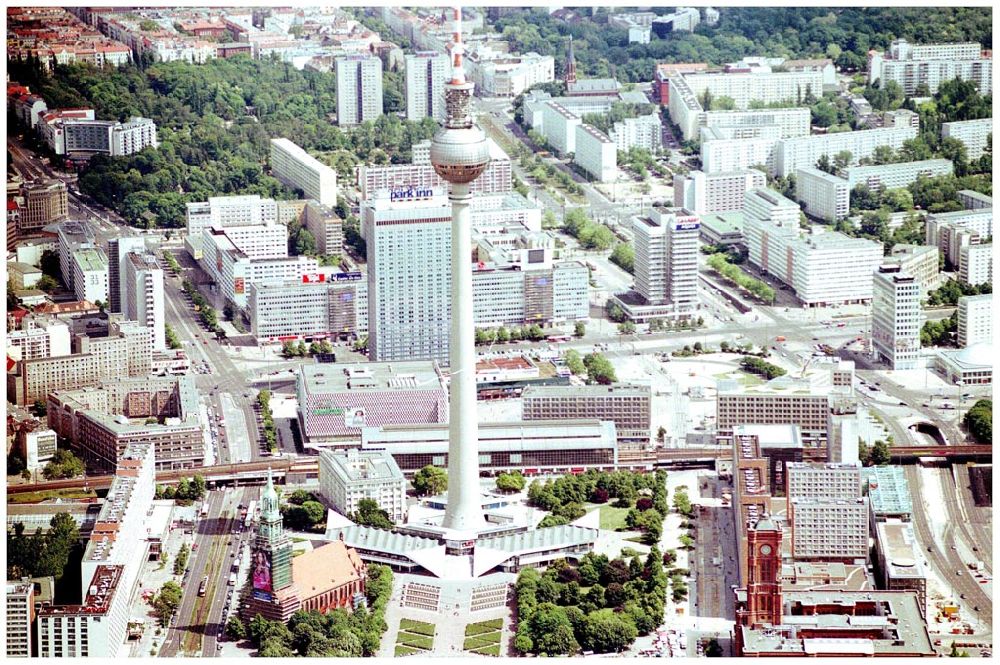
column 409, row 276
column 359, row 89
column 142, row 295
column 666, row 269
column 426, row 72
column 117, row 250
column 897, row 317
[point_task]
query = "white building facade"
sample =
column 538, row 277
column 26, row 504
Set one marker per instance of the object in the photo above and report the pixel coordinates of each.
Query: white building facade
column 975, row 320
column 296, row 168
column 359, row 90
column 897, row 318
column 426, row 72
column 824, row 195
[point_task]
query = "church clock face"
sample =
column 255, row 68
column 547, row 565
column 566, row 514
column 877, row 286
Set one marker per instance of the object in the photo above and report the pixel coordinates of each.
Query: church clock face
column 765, row 549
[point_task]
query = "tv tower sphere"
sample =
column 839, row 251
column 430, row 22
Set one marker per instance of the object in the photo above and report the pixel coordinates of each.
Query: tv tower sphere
column 459, row 152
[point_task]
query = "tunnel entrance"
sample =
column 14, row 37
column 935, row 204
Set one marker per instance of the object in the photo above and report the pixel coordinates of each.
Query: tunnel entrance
column 931, row 430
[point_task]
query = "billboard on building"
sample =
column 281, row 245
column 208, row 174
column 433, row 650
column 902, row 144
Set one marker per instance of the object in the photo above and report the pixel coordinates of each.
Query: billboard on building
column 261, row 571
column 354, row 418
column 239, row 285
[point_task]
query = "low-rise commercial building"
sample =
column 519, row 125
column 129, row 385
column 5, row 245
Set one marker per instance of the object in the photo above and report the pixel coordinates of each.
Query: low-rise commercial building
column 298, row 169
column 533, row 448
column 898, row 562
column 628, row 406
column 317, row 306
column 971, row 366
column 337, row 401
column 888, row 494
column 348, row 476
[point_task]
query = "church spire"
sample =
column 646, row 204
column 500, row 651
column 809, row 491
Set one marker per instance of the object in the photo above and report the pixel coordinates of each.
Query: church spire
column 570, row 76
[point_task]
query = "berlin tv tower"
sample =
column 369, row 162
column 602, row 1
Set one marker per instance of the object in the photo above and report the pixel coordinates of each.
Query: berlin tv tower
column 459, row 154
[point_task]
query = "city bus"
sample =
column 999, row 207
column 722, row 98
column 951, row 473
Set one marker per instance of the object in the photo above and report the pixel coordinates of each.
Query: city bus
column 559, row 338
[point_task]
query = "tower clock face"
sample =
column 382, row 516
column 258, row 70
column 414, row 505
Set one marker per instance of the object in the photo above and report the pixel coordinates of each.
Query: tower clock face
column 765, row 549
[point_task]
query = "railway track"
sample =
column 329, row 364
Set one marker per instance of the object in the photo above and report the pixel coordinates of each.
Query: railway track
column 946, row 561
column 979, row 530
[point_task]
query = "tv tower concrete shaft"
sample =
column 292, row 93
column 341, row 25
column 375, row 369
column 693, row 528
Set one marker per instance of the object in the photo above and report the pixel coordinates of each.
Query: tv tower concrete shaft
column 459, row 154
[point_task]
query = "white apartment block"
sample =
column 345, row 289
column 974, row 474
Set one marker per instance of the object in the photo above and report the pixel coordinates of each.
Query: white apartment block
column 894, row 176
column 972, row 133
column 722, row 154
column 334, row 304
column 666, row 258
column 238, row 256
column 911, row 65
column 804, row 151
column 791, row 121
column 496, row 179
column 950, row 231
column 130, row 137
column 824, row 195
column 20, row 615
column 704, row 193
column 769, row 206
column 296, row 168
column 643, row 132
column 975, row 264
column 975, row 320
column 596, row 153
column 359, row 90
column 39, row 337
column 921, row 261
column 499, row 74
column 822, row 268
column 763, row 86
column 409, row 277
column 896, row 318
column 426, row 73
column 142, row 295
column 348, row 476
column 683, row 19
column 223, row 211
column 973, row 200
column 90, row 275
column 559, row 127
column 832, row 269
